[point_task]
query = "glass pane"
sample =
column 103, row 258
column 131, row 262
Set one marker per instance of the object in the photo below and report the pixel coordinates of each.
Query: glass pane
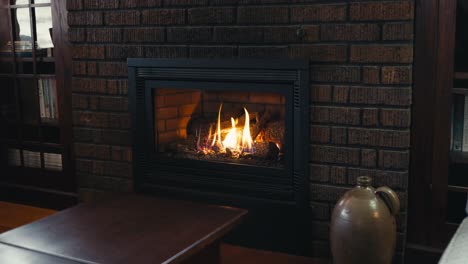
column 14, row 157
column 24, row 65
column 43, row 30
column 6, row 66
column 457, row 205
column 5, row 37
column 19, row 2
column 220, row 126
column 51, row 134
column 45, row 67
column 31, row 133
column 29, row 101
column 7, row 101
column 53, row 161
column 22, row 32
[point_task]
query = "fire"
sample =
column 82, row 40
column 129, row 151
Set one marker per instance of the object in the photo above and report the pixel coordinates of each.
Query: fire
column 234, row 140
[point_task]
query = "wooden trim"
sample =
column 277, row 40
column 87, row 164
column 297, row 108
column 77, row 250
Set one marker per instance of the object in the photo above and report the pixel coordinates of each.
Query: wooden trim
column 430, row 133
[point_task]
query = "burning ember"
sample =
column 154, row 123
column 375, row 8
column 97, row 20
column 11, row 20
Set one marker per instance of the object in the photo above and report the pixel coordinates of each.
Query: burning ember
column 235, row 141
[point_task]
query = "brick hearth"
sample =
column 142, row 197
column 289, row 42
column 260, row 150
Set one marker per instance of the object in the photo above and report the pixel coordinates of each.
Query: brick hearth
column 361, row 57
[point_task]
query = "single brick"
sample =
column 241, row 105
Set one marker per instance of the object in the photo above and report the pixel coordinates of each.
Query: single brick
column 212, row 51
column 263, row 15
column 326, row 193
column 380, row 96
column 369, row 158
column 335, row 73
column 388, row 10
column 349, row 32
column 91, row 86
column 371, row 75
column 77, row 34
column 104, row 35
column 319, row 173
column 166, row 51
column 192, row 34
column 320, row 52
column 340, row 94
column 113, row 103
column 152, row 34
column 379, row 137
column 140, row 3
column 163, row 17
column 339, row 135
column 320, row 230
column 90, row 119
column 338, row 175
column 119, row 120
column 101, row 4
column 117, row 87
column 263, row 51
column 370, row 117
column 319, row 134
column 85, row 18
column 123, row 52
column 233, row 35
column 119, row 153
column 392, row 179
column 88, row 52
column 79, row 68
column 335, row 115
column 281, row 34
column 83, row 150
column 122, row 18
column 393, row 159
column 113, row 69
column 74, row 5
column 397, row 75
column 212, row 15
column 398, row 31
column 395, row 117
column 80, row 101
column 320, row 93
column 320, row 211
column 317, row 13
column 336, row 155
column 382, row 53
column 185, row 2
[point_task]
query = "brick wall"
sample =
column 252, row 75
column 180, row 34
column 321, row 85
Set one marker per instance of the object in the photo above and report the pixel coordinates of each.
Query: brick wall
column 361, row 56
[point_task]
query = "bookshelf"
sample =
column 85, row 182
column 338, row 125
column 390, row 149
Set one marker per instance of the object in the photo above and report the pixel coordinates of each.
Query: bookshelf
column 35, row 104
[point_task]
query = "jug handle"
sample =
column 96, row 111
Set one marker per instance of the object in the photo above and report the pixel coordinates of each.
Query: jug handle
column 390, row 198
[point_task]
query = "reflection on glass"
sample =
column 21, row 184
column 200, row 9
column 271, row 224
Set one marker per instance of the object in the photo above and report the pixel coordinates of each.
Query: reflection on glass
column 19, row 2
column 41, row 1
column 30, row 102
column 44, row 27
column 22, row 32
column 4, row 33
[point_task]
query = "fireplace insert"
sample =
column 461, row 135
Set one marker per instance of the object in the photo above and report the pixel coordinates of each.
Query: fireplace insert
column 224, row 130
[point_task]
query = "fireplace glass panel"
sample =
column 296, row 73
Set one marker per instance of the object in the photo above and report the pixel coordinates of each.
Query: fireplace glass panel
column 245, row 128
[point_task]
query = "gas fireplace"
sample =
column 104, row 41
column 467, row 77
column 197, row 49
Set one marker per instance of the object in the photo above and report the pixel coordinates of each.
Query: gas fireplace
column 232, row 131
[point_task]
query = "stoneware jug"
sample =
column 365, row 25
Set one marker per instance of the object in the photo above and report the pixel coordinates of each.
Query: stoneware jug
column 363, row 227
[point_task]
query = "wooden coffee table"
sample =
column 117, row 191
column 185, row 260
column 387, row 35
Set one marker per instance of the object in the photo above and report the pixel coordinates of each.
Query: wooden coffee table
column 128, row 229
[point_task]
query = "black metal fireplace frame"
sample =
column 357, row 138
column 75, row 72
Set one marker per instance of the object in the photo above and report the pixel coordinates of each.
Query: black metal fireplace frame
column 191, row 179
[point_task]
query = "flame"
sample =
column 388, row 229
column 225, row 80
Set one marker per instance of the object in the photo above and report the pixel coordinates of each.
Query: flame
column 236, row 140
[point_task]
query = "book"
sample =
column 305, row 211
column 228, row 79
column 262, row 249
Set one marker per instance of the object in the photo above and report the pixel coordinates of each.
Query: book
column 53, row 161
column 41, row 98
column 465, row 125
column 14, row 157
column 32, row 159
column 458, row 117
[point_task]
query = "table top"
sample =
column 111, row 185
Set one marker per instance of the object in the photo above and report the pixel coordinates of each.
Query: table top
column 127, row 229
column 15, row 255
